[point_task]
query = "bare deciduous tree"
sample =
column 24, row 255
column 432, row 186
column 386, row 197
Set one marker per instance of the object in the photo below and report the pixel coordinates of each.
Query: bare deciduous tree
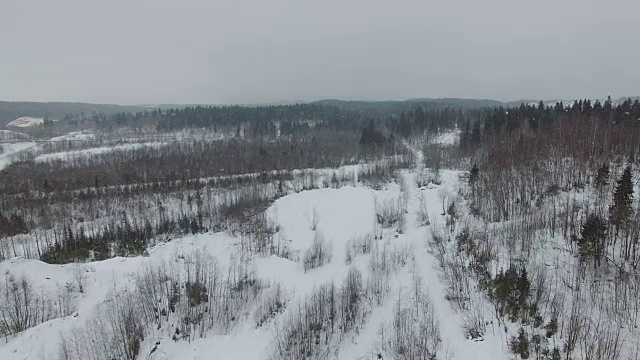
column 313, row 218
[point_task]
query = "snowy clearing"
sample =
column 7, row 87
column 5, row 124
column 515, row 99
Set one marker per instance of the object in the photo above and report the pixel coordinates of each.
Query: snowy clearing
column 347, row 219
column 448, row 138
column 13, row 135
column 76, row 135
column 75, row 154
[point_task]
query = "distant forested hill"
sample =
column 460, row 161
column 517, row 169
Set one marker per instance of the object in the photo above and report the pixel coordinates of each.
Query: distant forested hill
column 387, row 108
column 11, row 110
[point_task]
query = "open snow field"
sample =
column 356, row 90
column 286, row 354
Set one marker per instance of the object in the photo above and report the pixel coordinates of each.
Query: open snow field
column 76, row 154
column 11, row 150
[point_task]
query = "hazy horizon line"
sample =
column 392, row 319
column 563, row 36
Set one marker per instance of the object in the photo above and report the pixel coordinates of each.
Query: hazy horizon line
column 299, row 101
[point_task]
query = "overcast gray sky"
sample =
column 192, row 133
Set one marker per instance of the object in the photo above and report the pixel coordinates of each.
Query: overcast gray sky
column 253, row 51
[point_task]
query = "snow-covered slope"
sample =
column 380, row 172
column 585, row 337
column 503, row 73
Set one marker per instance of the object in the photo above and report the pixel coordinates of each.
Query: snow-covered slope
column 12, row 150
column 8, row 135
column 26, row 121
column 346, row 218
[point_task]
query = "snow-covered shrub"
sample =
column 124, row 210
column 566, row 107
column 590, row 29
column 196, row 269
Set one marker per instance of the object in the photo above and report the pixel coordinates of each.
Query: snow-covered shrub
column 422, row 213
column 376, row 175
column 318, row 254
column 257, row 232
column 158, row 290
column 387, row 259
column 378, row 232
column 540, row 346
column 80, row 277
column 384, row 262
column 313, row 218
column 453, row 207
column 200, row 285
column 389, row 211
column 190, row 297
column 116, row 332
column 280, row 248
column 421, row 179
column 475, row 325
column 306, row 332
column 401, row 224
column 240, row 290
column 358, row 245
column 271, row 303
column 22, row 307
column 315, row 328
column 304, row 181
column 428, row 176
column 454, row 273
column 415, row 329
column 377, row 288
column 17, row 304
column 351, row 303
column 434, row 177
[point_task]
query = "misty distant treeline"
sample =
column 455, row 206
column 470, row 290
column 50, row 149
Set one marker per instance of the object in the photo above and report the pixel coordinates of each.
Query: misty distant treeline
column 288, row 120
column 11, row 110
column 378, row 109
column 77, row 112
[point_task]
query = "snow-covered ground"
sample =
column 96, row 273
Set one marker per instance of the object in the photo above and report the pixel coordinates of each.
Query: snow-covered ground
column 75, row 154
column 26, row 121
column 75, row 135
column 12, row 150
column 13, row 135
column 341, row 215
column 447, row 138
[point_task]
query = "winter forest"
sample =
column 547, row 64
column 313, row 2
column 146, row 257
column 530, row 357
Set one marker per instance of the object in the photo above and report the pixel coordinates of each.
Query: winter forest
column 410, row 230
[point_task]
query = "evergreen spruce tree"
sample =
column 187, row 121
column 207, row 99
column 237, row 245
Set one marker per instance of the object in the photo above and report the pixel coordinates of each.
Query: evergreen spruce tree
column 524, row 289
column 465, row 136
column 404, row 125
column 476, row 135
column 620, row 211
column 520, row 345
column 473, row 174
column 592, row 243
column 602, row 176
column 148, row 229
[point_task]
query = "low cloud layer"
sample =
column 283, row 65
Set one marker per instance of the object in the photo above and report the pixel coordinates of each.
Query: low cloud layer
column 197, row 51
